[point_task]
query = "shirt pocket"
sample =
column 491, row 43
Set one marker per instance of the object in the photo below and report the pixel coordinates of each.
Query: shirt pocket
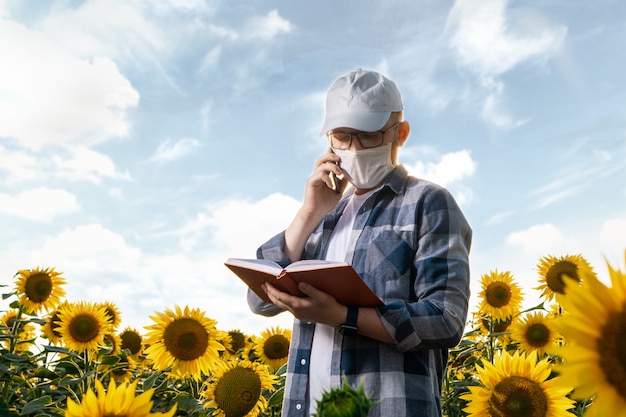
column 389, row 264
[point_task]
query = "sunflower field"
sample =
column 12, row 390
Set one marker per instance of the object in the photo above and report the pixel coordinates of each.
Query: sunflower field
column 563, row 357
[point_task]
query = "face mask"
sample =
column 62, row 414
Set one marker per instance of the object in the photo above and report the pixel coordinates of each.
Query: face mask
column 366, row 168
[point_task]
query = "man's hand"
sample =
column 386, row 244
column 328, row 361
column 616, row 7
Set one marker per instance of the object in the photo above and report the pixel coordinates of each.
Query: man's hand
column 316, row 306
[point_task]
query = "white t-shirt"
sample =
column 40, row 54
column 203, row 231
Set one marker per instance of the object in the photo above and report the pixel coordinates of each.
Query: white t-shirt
column 323, row 338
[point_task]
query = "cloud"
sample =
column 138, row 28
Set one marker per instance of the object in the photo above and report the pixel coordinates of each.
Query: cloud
column 490, row 39
column 613, row 234
column 112, row 28
column 100, row 263
column 451, row 168
column 18, row 165
column 76, row 163
column 238, row 227
column 48, row 97
column 538, row 240
column 171, row 150
column 266, row 28
column 39, row 204
column 572, row 183
column 83, row 164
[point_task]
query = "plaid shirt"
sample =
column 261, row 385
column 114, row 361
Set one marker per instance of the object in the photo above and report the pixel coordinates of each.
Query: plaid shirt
column 412, row 247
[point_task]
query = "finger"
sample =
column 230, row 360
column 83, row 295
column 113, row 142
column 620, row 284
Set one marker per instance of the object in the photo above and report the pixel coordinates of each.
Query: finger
column 313, row 292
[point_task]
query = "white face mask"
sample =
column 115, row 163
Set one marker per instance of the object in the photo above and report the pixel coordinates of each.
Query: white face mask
column 366, row 168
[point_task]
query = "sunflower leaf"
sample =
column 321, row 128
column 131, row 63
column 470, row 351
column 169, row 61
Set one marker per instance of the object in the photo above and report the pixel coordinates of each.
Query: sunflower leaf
column 36, row 405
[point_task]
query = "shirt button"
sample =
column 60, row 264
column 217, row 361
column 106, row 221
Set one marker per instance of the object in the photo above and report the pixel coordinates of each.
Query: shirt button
column 298, row 406
column 303, row 361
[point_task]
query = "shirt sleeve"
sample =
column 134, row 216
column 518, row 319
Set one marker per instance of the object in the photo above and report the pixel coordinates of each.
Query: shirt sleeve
column 273, row 249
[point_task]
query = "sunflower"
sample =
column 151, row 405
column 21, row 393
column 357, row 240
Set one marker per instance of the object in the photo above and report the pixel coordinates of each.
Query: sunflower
column 494, row 326
column 123, row 369
column 50, row 329
column 113, row 313
column 39, row 289
column 517, row 385
column 236, row 388
column 594, row 325
column 501, row 297
column 551, row 270
column 272, row 348
column 83, row 326
column 185, row 340
column 132, row 340
column 22, row 333
column 117, row 400
column 534, row 332
column 114, row 342
column 235, row 343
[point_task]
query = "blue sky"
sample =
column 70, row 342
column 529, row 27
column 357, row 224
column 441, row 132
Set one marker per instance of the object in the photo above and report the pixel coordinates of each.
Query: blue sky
column 142, row 143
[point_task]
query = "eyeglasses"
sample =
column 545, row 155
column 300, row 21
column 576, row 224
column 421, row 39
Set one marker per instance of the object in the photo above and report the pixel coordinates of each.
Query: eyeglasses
column 343, row 140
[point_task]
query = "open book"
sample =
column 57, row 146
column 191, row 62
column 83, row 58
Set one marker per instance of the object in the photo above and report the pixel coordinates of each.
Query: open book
column 338, row 279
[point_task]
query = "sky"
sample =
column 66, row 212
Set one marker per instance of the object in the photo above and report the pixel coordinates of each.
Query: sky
column 143, row 143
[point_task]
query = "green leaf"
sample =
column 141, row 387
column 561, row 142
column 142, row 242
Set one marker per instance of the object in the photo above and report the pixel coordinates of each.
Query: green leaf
column 110, row 360
column 277, row 397
column 149, row 381
column 36, row 405
column 45, row 373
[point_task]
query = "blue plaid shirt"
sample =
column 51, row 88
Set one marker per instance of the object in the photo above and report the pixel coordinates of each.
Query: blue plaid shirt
column 412, row 247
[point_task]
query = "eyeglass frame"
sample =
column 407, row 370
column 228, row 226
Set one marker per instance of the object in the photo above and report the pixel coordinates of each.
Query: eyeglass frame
column 330, row 133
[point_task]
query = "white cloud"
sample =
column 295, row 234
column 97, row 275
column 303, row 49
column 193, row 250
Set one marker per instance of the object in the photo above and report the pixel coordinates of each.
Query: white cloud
column 18, row 165
column 539, row 240
column 451, row 168
column 494, row 110
column 238, row 227
column 83, row 164
column 50, row 97
column 266, row 27
column 109, row 28
column 40, row 204
column 171, row 150
column 76, row 163
column 613, row 234
column 100, row 264
column 491, row 40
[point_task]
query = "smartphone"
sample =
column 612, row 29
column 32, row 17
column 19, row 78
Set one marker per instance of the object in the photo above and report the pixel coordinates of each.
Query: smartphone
column 336, row 181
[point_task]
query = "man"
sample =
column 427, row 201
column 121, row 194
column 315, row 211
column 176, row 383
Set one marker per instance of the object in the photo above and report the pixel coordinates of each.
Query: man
column 407, row 239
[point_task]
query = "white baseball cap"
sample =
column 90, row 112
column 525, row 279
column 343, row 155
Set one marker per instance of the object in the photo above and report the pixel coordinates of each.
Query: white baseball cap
column 361, row 100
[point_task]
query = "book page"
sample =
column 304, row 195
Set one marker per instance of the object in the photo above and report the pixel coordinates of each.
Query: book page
column 311, row 264
column 264, row 265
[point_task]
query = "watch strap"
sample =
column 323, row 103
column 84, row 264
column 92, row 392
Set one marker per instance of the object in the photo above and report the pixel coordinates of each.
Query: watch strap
column 349, row 328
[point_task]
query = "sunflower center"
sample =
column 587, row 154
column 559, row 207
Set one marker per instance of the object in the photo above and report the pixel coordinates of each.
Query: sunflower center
column 84, row 328
column 276, row 347
column 238, row 391
column 612, row 348
column 516, row 396
column 499, row 326
column 186, row 339
column 237, row 341
column 554, row 277
column 498, row 294
column 537, row 335
column 38, row 287
column 131, row 341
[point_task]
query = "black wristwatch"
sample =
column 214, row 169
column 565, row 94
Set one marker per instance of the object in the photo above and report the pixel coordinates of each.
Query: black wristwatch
column 349, row 327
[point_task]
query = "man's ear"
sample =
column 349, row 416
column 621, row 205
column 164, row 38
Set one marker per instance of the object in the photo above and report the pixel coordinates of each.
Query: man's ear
column 403, row 132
